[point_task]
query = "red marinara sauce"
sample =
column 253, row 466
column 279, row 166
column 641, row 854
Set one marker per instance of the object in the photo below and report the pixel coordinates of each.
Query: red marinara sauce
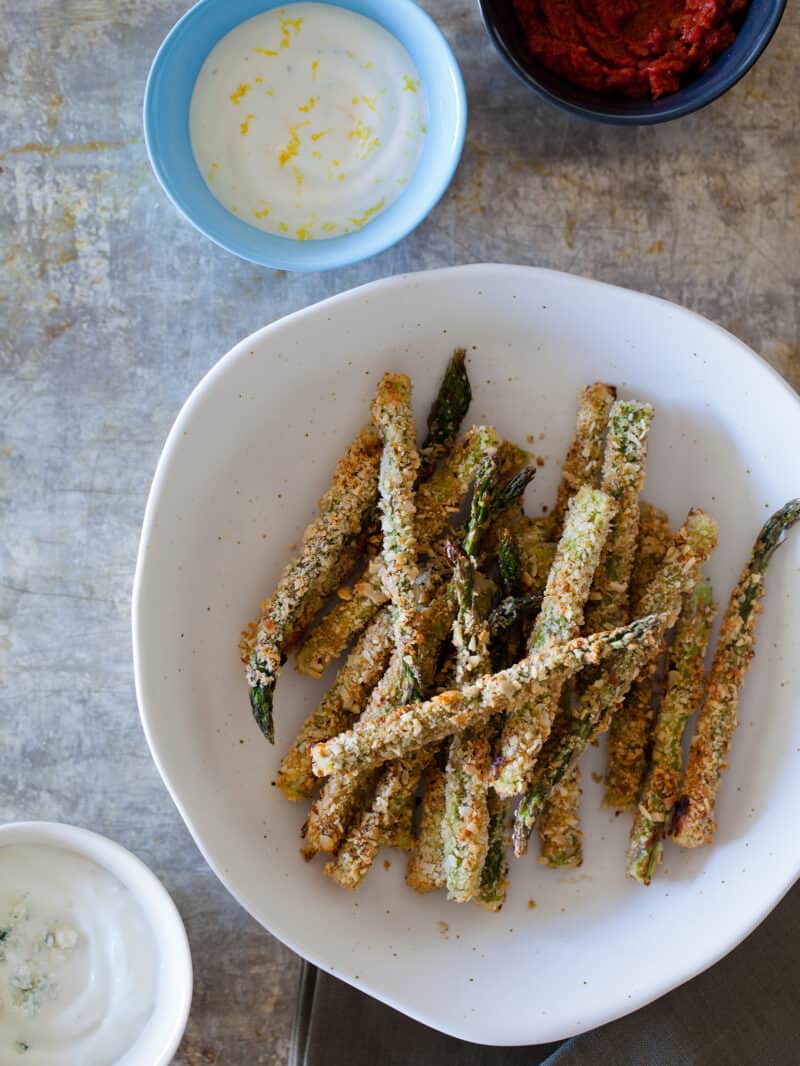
column 628, row 47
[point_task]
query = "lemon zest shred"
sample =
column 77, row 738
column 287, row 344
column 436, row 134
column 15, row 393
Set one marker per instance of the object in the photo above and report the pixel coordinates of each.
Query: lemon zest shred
column 360, row 131
column 239, row 94
column 286, row 37
column 373, row 144
column 368, row 213
column 293, row 146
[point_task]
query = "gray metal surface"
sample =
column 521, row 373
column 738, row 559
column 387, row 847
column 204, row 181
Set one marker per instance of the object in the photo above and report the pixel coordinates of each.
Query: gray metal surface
column 114, row 307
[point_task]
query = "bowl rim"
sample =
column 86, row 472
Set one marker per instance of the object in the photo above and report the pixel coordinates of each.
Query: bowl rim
column 312, row 255
column 156, row 904
column 761, row 40
column 207, row 383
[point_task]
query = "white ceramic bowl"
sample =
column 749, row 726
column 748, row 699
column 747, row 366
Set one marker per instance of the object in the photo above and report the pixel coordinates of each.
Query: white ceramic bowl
column 161, row 1036
column 247, row 458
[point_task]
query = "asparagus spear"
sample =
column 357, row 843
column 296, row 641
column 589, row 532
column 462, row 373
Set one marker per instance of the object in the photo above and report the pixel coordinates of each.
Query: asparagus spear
column 465, row 828
column 401, row 731
column 560, row 618
column 343, row 794
column 494, row 875
column 585, row 455
column 399, row 780
column 623, row 477
column 391, row 412
column 631, row 726
column 693, row 543
column 472, row 823
column 360, row 846
column 345, row 700
column 314, row 572
column 425, row 870
column 437, row 500
column 559, row 823
column 506, row 618
column 681, row 699
column 506, row 643
column 447, row 413
column 693, row 823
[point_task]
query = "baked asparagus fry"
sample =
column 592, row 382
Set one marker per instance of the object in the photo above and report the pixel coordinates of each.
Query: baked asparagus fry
column 437, row 500
column 346, row 619
column 314, row 572
column 585, row 455
column 527, row 725
column 392, row 414
column 399, row 780
column 438, row 718
column 505, row 621
column 693, row 823
column 506, row 644
column 425, row 870
column 447, row 413
column 360, row 846
column 559, row 823
column 692, row 545
column 344, row 701
column 465, row 828
column 470, row 821
column 345, row 793
column 683, row 695
column 400, row 731
column 623, row 478
column 494, row 876
column 631, row 727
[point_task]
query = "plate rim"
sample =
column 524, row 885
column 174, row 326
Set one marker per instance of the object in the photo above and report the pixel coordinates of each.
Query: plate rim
column 594, row 1018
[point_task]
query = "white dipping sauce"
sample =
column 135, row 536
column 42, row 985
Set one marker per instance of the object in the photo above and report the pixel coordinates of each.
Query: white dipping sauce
column 308, row 120
column 78, row 964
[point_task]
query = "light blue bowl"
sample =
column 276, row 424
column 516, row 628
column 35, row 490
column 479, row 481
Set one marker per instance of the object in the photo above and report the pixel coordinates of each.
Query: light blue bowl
column 166, row 128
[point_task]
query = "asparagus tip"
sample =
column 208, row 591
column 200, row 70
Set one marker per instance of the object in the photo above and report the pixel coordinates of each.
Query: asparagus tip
column 261, row 703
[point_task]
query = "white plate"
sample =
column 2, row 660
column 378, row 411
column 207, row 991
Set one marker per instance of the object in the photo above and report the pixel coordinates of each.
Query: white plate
column 247, row 458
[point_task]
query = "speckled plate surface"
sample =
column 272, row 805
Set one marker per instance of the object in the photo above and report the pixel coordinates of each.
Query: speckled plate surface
column 249, row 454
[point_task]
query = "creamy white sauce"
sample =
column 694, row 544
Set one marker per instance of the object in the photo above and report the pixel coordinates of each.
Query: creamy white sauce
column 308, row 120
column 78, row 965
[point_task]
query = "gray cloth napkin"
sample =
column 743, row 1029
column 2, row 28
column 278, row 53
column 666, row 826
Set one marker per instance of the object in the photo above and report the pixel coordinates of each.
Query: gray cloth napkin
column 745, row 1011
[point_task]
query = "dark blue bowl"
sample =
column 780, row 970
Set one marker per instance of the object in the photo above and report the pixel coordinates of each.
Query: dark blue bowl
column 758, row 25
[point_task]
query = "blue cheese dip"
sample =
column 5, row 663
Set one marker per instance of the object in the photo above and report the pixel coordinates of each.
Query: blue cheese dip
column 78, row 963
column 308, row 120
